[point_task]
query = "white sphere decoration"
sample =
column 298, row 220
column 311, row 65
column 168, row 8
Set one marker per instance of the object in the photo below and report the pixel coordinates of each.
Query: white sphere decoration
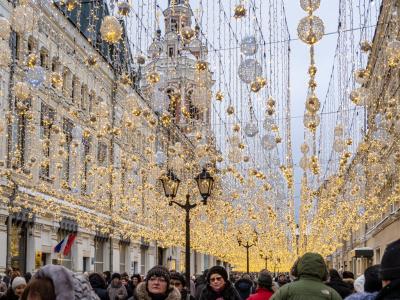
column 339, row 131
column 268, row 142
column 5, row 29
column 304, row 163
column 5, row 54
column 310, row 5
column 249, row 70
column 268, row 124
column 36, row 76
column 160, row 157
column 339, row 145
column 23, row 19
column 249, row 45
column 251, row 129
column 155, row 49
column 22, row 90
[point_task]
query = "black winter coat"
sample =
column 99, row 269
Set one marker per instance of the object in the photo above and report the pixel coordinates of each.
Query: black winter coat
column 340, row 286
column 245, row 288
column 99, row 286
column 201, row 283
column 229, row 293
column 390, row 292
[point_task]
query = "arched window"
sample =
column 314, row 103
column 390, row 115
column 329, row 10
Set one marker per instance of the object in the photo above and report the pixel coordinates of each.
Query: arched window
column 67, row 82
column 44, row 58
column 84, row 97
column 31, row 45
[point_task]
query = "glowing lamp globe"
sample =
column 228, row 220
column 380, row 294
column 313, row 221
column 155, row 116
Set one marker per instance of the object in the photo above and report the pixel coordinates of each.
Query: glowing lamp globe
column 111, row 30
column 187, row 33
column 70, row 5
column 249, row 45
column 249, row 70
column 311, row 29
column 170, row 183
column 268, row 142
column 205, row 183
column 310, row 5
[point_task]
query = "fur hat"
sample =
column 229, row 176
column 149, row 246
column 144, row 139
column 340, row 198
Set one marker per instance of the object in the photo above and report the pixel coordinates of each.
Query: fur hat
column 159, row 271
column 390, row 264
column 116, row 275
column 179, row 277
column 17, row 282
column 217, row 270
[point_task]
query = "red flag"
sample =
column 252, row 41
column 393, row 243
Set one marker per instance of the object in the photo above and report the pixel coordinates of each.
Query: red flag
column 71, row 239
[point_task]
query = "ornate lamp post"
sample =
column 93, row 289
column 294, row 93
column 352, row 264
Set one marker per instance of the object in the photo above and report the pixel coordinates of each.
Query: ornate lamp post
column 205, row 183
column 247, row 246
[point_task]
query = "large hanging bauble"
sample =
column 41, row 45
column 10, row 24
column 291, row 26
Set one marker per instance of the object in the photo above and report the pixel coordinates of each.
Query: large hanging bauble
column 362, row 75
column 111, row 30
column 339, row 131
column 249, row 45
column 5, row 54
column 311, row 121
column 22, row 91
column 251, row 129
column 23, row 19
column 5, row 29
column 249, row 70
column 187, row 34
column 304, row 163
column 304, row 148
column 268, row 124
column 240, row 11
column 310, row 29
column 310, row 5
column 56, row 80
column 268, row 142
column 36, row 76
column 339, row 145
column 312, row 104
column 153, row 77
column 155, row 49
column 359, row 96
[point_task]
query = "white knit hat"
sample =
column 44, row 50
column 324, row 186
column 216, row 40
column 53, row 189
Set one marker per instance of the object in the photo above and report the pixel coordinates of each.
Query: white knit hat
column 17, row 282
column 359, row 284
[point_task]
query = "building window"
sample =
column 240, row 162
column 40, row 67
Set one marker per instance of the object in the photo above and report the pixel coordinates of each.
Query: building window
column 92, row 100
column 67, row 82
column 84, row 97
column 66, row 174
column 171, row 52
column 86, row 165
column 122, row 257
column 31, row 45
column 174, row 25
column 46, row 122
column 44, row 58
column 143, row 254
column 65, row 260
column 99, row 256
column 74, row 90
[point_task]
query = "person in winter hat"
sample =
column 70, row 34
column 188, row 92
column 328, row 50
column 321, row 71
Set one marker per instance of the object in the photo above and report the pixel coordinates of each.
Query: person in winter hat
column 218, row 286
column 311, row 271
column 359, row 284
column 390, row 272
column 336, row 282
column 18, row 286
column 264, row 287
column 179, row 281
column 201, row 283
column 99, row 286
column 244, row 286
column 372, row 285
column 157, row 286
column 116, row 290
column 61, row 283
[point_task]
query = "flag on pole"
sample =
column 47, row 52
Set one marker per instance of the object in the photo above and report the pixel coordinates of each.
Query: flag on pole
column 61, row 245
column 70, row 241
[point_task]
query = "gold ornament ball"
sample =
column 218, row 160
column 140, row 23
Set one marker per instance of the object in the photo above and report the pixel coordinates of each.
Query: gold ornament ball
column 230, row 110
column 153, row 77
column 313, row 104
column 239, row 11
column 262, row 81
column 124, row 8
column 304, row 148
column 219, row 96
column 311, row 29
column 125, row 79
column 255, row 87
column 31, row 60
column 201, row 65
column 111, row 30
column 22, row 90
column 91, row 60
column 310, row 5
column 312, row 70
column 56, row 80
column 271, row 102
column 70, row 5
column 187, row 33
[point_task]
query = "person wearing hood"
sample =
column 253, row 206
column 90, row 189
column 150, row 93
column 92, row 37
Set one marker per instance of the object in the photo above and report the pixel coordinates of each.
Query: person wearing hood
column 218, row 286
column 336, row 282
column 116, row 290
column 179, row 281
column 156, row 286
column 54, row 282
column 201, row 283
column 371, row 287
column 99, row 286
column 264, row 287
column 244, row 286
column 390, row 272
column 311, row 271
column 15, row 291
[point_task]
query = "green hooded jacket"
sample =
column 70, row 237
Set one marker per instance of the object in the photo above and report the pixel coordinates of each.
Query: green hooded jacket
column 311, row 271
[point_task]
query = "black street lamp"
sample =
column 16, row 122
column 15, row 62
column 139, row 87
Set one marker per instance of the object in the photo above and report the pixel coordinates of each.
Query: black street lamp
column 170, row 184
column 248, row 245
column 265, row 257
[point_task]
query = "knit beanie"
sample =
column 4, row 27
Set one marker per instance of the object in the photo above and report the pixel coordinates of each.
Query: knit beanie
column 179, row 277
column 115, row 275
column 217, row 270
column 359, row 284
column 17, row 282
column 264, row 280
column 159, row 271
column 390, row 264
column 372, row 281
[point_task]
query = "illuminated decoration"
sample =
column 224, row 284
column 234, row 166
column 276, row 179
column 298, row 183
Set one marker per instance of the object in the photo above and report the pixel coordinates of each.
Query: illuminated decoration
column 187, row 34
column 5, row 54
column 311, row 29
column 230, row 110
column 170, row 183
column 205, row 183
column 255, row 87
column 31, row 60
column 166, row 119
column 36, row 76
column 91, row 60
column 23, row 19
column 310, row 5
column 311, row 121
column 268, row 142
column 124, row 8
column 251, row 129
column 5, row 28
column 70, row 5
column 240, row 11
column 155, row 49
column 219, row 96
column 249, row 70
column 261, row 81
column 313, row 104
column 249, row 45
column 153, row 77
column 125, row 79
column 201, row 65
column 56, row 79
column 359, row 96
column 111, row 30
column 22, row 91
column 366, row 46
column 361, row 76
column 393, row 53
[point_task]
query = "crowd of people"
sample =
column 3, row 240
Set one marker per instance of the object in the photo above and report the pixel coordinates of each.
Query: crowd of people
column 309, row 279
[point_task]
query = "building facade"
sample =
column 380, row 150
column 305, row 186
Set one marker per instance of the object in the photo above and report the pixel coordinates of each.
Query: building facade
column 58, row 145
